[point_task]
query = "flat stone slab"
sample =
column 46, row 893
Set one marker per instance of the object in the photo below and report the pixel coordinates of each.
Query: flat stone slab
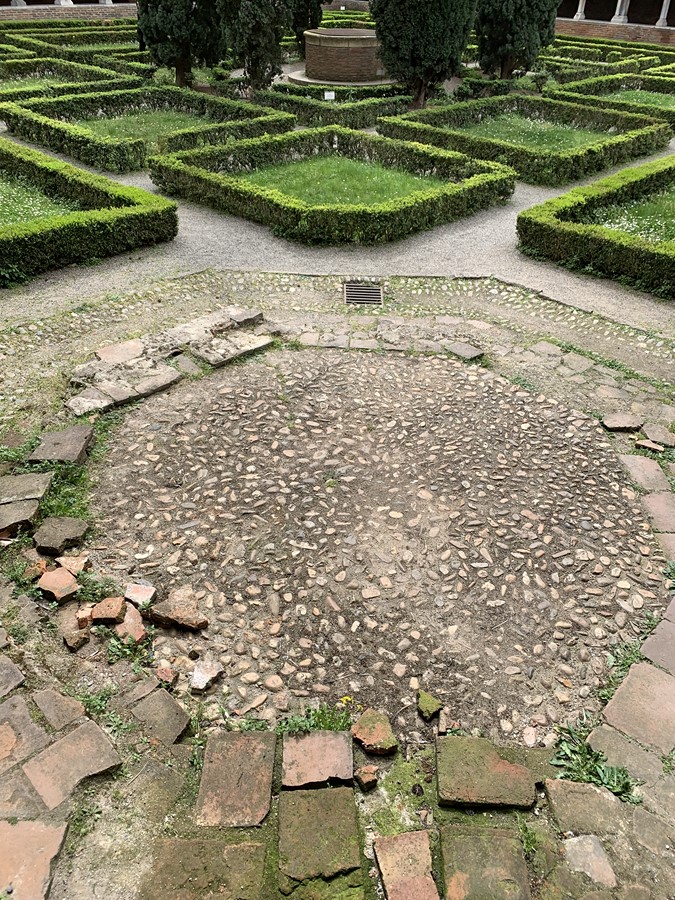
column 162, row 716
column 206, row 672
column 652, row 832
column 28, row 852
column 236, row 785
column 57, row 533
column 88, row 401
column 161, row 378
column 667, row 542
column 115, row 354
column 15, row 517
column 318, row 833
column 464, row 351
column 584, row 808
column 374, row 733
column 56, row 772
column 660, row 508
column 587, row 855
column 645, row 472
column 659, row 434
column 622, row 422
column 18, row 800
column 19, row 734
column 621, row 751
column 181, row 609
column 220, row 351
column 58, row 709
column 471, row 772
column 317, row 758
column 69, row 445
column 644, row 707
column 483, row 862
column 11, row 676
column 660, row 647
column 195, row 869
column 405, row 864
column 59, row 585
column 15, row 488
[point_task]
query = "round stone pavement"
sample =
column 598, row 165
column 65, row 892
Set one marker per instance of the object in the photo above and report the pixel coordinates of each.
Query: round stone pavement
column 364, row 524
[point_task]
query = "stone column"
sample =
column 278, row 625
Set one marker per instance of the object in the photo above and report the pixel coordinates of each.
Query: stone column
column 581, row 11
column 663, row 18
column 106, row 2
column 621, row 14
column 18, row 3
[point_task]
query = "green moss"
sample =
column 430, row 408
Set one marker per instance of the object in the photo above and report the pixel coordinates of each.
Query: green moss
column 427, row 705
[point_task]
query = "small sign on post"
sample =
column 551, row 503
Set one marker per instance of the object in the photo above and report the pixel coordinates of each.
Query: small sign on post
column 329, row 95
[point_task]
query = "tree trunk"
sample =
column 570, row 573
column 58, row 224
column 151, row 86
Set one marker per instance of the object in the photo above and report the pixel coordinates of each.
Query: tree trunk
column 508, row 67
column 419, row 94
column 183, row 71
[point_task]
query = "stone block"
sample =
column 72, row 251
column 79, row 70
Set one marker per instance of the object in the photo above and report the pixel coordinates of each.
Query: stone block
column 652, row 832
column 374, row 733
column 10, row 676
column 18, row 800
column 16, row 517
column 660, row 508
column 69, row 445
column 644, row 707
column 622, row 422
column 56, row 772
column 660, row 648
column 19, row 734
column 28, row 853
column 659, row 434
column 119, row 390
column 464, row 351
column 116, row 354
column 318, row 833
column 181, row 609
column 646, row 473
column 482, row 863
column 58, row 533
column 587, row 855
column 620, row 751
column 16, row 488
column 236, row 785
column 471, row 772
column 88, row 401
column 317, row 758
column 58, row 709
column 206, row 672
column 162, row 717
column 584, row 808
column 404, row 861
column 161, row 379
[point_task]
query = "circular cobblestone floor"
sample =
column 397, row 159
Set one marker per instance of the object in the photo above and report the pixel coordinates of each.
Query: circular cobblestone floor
column 364, row 524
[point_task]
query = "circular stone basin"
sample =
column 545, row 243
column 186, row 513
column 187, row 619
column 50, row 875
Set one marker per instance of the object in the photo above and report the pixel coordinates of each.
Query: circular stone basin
column 343, row 56
column 363, row 525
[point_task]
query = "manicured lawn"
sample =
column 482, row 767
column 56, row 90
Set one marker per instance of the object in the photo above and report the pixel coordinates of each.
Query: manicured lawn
column 336, row 179
column 30, row 81
column 650, row 98
column 147, row 126
column 537, row 134
column 651, row 217
column 20, row 201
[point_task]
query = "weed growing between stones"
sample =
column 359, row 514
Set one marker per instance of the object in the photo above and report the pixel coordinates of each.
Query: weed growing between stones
column 669, row 763
column 138, row 653
column 528, row 837
column 580, row 762
column 14, row 567
column 16, row 630
column 323, row 718
column 96, row 705
column 623, row 657
column 93, row 588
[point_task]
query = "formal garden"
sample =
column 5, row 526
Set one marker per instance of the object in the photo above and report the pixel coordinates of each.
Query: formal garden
column 337, row 454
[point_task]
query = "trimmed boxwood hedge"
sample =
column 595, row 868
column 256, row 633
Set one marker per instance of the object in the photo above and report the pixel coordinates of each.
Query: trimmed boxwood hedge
column 51, row 123
column 9, row 51
column 441, row 126
column 667, row 71
column 83, row 50
column 125, row 64
column 89, row 78
column 112, row 219
column 594, row 90
column 555, row 230
column 356, row 114
column 212, row 176
column 607, row 46
column 37, row 25
column 565, row 70
column 343, row 93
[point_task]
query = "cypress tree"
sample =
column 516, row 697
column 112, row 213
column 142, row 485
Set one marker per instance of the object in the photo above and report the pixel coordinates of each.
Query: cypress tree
column 306, row 14
column 180, row 33
column 421, row 43
column 511, row 33
column 257, row 31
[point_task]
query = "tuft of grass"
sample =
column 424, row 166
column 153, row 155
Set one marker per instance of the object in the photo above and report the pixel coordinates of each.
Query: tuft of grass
column 93, row 588
column 138, row 653
column 624, row 656
column 580, row 762
column 669, row 763
column 324, row 718
column 528, row 837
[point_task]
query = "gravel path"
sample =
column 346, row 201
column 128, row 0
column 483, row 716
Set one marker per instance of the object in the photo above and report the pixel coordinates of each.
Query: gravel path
column 482, row 245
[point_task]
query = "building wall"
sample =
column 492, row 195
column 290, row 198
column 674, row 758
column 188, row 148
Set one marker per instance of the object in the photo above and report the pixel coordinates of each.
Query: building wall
column 646, row 33
column 78, row 11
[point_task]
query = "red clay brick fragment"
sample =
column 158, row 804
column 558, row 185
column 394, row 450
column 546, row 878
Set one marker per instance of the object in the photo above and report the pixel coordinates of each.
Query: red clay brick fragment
column 59, row 585
column 110, row 611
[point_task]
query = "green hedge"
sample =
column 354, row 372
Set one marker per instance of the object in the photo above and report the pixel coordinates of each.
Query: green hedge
column 112, row 218
column 607, row 45
column 18, row 25
column 668, row 71
column 51, row 123
column 343, row 93
column 83, row 51
column 555, row 230
column 565, row 70
column 441, row 126
column 593, row 91
column 125, row 65
column 89, row 78
column 358, row 114
column 212, row 176
column 9, row 51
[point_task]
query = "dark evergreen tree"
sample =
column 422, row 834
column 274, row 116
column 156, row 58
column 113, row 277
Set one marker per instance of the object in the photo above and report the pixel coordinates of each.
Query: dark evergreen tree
column 511, row 33
column 421, row 43
column 257, row 31
column 306, row 14
column 181, row 33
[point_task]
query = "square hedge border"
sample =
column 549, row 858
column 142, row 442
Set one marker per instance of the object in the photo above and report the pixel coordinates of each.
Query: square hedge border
column 45, row 122
column 593, row 91
column 639, row 135
column 553, row 231
column 209, row 176
column 114, row 218
column 89, row 78
column 71, row 45
column 349, row 114
column 565, row 70
column 609, row 45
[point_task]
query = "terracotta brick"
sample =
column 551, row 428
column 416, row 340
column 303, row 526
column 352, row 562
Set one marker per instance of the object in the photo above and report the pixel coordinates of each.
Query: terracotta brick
column 58, row 709
column 660, row 647
column 317, row 758
column 110, row 611
column 647, row 473
column 470, row 771
column 405, row 866
column 644, row 707
column 59, row 585
column 660, row 508
column 28, row 851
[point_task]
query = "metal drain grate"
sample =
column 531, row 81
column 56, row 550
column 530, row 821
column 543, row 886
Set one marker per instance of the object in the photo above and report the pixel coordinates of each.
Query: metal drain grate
column 363, row 294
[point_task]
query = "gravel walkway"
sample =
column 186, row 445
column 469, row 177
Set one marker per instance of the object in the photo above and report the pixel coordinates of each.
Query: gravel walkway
column 482, row 245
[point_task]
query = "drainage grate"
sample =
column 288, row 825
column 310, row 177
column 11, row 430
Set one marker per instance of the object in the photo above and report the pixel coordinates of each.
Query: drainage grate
column 362, row 294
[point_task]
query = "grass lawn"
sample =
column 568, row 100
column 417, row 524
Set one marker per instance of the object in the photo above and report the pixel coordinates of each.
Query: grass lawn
column 536, row 134
column 338, row 180
column 20, row 201
column 650, row 98
column 147, row 126
column 99, row 48
column 30, row 81
column 651, row 217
